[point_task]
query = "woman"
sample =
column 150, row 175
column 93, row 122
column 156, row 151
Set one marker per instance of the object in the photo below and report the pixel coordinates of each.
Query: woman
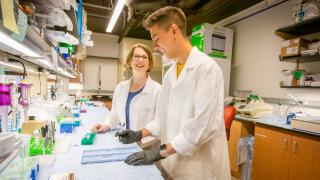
column 134, row 100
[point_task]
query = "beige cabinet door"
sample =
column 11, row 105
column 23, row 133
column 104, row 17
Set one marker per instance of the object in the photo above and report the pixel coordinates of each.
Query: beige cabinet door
column 304, row 158
column 271, row 154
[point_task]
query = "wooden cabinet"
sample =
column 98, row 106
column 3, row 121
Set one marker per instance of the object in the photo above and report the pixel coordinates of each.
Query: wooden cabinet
column 238, row 129
column 304, row 158
column 281, row 154
column 271, row 154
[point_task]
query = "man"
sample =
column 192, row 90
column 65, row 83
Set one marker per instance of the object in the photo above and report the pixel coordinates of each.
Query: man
column 189, row 119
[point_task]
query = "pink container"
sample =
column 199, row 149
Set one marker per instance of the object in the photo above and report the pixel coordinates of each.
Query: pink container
column 5, row 94
column 23, row 100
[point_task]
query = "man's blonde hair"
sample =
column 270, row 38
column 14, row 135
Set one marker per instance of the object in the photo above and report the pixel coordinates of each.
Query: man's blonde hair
column 165, row 17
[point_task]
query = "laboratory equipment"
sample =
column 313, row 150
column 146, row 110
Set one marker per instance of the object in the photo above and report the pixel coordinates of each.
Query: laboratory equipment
column 307, row 123
column 64, row 176
column 66, row 125
column 75, row 112
column 88, row 139
column 24, row 97
column 107, row 155
column 217, row 43
column 255, row 109
column 5, row 102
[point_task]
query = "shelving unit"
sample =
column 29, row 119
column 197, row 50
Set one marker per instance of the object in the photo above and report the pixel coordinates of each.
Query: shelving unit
column 301, row 87
column 299, row 29
column 41, row 45
column 6, row 162
column 301, row 59
column 306, row 27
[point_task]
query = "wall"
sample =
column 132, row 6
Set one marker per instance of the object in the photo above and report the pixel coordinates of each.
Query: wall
column 108, row 74
column 125, row 46
column 105, row 45
column 256, row 64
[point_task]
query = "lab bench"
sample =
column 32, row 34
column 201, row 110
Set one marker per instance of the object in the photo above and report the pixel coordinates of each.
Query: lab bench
column 70, row 162
column 280, row 152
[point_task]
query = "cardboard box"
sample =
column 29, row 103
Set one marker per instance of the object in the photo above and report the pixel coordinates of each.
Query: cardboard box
column 314, row 45
column 30, row 126
column 293, row 47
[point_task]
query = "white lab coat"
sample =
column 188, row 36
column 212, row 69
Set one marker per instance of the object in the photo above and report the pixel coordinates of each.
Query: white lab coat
column 190, row 117
column 142, row 107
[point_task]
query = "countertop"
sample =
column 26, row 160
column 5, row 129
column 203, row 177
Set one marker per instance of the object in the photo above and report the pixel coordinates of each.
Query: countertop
column 71, row 161
column 275, row 122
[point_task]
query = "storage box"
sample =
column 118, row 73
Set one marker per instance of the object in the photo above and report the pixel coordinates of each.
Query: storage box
column 314, row 45
column 30, row 126
column 293, row 47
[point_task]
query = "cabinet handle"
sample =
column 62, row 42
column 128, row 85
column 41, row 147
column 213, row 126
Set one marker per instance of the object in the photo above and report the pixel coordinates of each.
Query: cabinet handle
column 285, row 143
column 261, row 135
column 294, row 146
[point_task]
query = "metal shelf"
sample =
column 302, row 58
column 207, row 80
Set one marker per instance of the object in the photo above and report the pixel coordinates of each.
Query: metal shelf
column 299, row 29
column 7, row 161
column 301, row 87
column 301, row 59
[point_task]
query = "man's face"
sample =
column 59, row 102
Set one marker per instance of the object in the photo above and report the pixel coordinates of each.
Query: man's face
column 163, row 41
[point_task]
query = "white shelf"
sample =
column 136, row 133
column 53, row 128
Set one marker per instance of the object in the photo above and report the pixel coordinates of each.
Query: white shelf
column 7, row 161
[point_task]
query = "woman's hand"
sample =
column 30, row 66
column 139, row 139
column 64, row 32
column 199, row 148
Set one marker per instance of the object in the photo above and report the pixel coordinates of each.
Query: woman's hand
column 100, row 128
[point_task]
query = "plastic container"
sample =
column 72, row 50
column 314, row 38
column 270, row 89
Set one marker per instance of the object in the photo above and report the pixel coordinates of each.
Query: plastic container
column 66, row 127
column 5, row 94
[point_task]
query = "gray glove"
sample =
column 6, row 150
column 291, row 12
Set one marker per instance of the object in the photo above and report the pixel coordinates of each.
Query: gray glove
column 128, row 136
column 144, row 157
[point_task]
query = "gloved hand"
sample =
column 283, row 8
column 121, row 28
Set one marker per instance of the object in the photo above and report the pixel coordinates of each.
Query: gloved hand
column 128, row 136
column 144, row 157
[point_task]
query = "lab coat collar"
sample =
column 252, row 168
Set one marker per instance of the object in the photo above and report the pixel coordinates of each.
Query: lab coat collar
column 190, row 64
column 147, row 87
column 191, row 61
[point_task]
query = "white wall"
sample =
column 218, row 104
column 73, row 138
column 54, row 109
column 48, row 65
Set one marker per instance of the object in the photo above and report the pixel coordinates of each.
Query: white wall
column 256, row 65
column 105, row 45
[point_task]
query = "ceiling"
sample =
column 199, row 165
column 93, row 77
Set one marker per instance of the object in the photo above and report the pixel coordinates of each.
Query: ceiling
column 197, row 11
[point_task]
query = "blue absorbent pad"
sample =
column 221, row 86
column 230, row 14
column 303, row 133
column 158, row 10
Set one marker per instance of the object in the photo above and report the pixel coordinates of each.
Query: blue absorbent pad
column 107, row 155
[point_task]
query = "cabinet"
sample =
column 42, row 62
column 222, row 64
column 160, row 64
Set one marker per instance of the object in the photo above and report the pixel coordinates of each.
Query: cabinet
column 280, row 154
column 100, row 74
column 304, row 158
column 238, row 129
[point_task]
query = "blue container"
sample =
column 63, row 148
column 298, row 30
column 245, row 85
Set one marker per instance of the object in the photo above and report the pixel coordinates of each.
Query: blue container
column 66, row 127
column 76, row 115
column 289, row 117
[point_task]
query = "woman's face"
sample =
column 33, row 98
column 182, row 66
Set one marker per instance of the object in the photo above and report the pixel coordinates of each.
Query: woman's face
column 140, row 61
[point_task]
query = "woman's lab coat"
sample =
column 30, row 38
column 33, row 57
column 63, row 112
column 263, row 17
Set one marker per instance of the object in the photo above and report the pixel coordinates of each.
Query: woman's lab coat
column 190, row 117
column 142, row 106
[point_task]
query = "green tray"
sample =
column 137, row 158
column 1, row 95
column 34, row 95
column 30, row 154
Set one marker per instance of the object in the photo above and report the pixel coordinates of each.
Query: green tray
column 36, row 149
column 88, row 139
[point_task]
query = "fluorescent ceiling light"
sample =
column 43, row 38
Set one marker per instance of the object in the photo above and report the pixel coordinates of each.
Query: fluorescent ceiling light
column 115, row 14
column 7, row 40
column 10, row 65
